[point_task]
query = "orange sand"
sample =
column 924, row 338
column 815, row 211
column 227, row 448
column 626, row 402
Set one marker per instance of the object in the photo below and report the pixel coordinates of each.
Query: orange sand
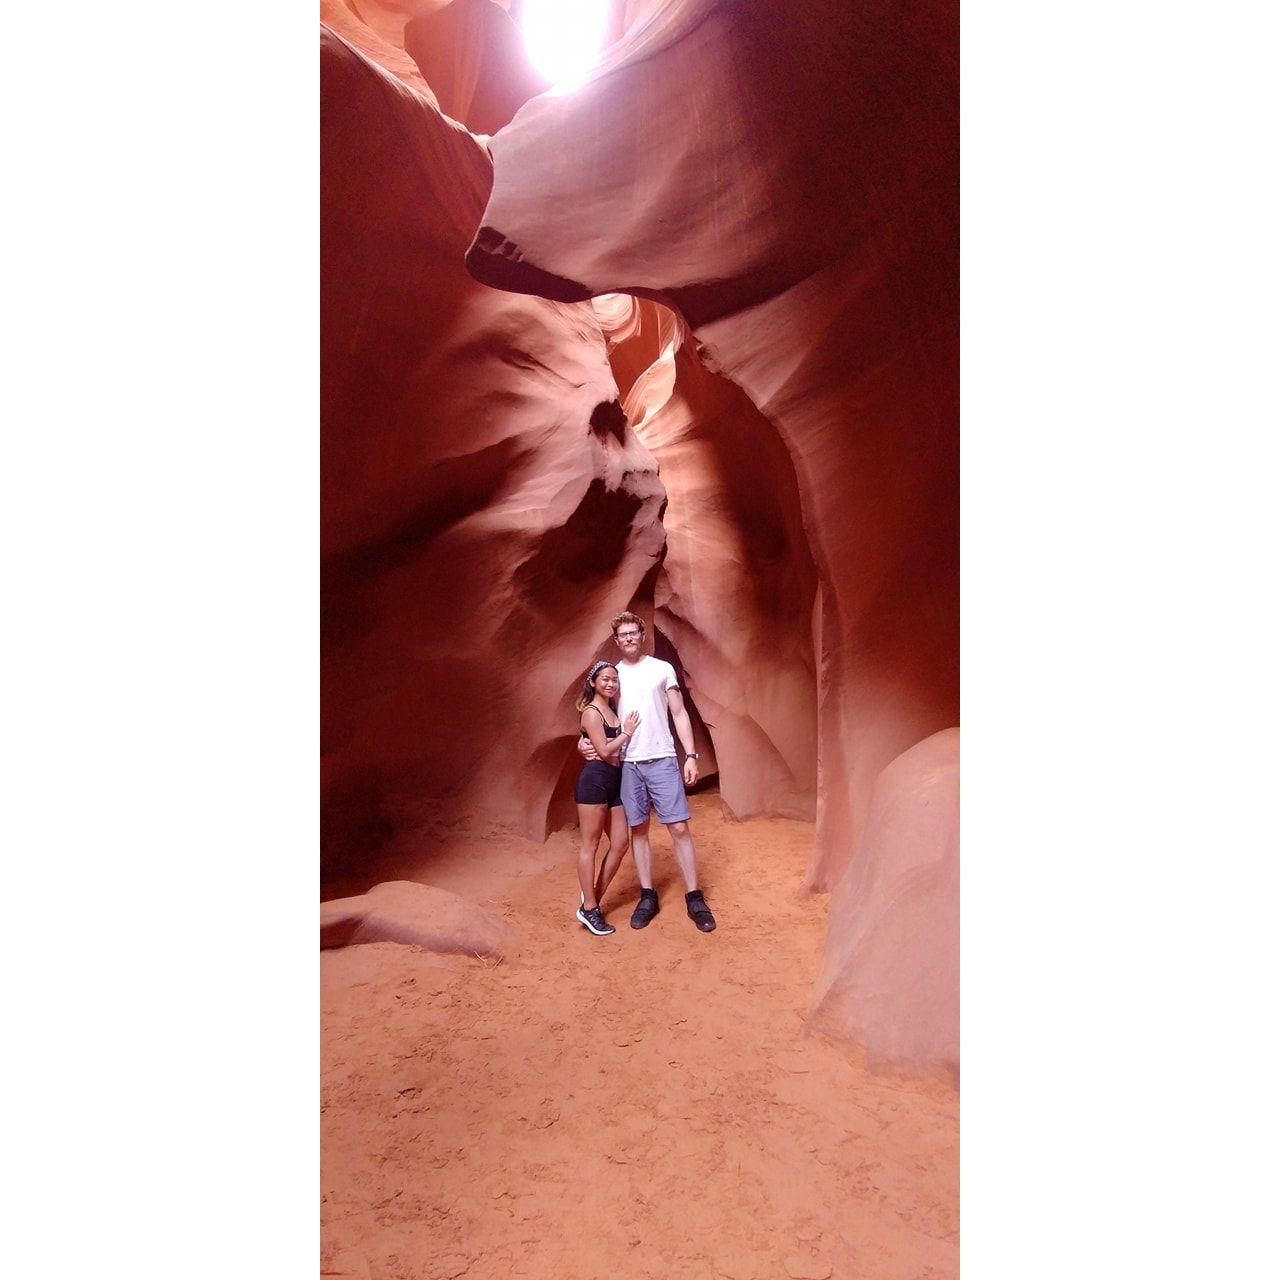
column 644, row 1105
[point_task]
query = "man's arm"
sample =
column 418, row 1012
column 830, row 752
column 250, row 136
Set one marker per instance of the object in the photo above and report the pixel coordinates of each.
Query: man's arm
column 684, row 729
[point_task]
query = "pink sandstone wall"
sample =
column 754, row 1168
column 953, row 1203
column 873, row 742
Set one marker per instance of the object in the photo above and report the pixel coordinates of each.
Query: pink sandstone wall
column 735, row 591
column 485, row 507
column 890, row 979
column 785, row 177
column 472, row 55
column 776, row 184
column 447, row 407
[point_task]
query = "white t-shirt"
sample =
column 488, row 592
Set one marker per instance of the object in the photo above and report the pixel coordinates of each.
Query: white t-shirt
column 644, row 686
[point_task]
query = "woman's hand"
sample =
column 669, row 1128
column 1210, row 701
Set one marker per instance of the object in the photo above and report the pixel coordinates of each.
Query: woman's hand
column 630, row 724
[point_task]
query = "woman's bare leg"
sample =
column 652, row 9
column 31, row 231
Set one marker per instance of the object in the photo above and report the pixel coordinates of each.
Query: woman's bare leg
column 591, row 819
column 618, row 835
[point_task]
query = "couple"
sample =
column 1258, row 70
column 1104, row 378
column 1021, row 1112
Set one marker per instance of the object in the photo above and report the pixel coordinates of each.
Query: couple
column 630, row 769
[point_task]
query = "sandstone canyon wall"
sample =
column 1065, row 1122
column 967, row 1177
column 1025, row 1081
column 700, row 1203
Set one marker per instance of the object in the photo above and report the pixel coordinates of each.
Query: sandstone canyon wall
column 488, row 504
column 375, row 28
column 486, row 508
column 785, row 177
column 735, row 591
column 471, row 54
column 731, row 255
column 890, row 979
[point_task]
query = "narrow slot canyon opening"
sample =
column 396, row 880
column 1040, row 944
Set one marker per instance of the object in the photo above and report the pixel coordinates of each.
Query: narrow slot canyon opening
column 563, row 38
column 731, row 597
column 734, row 592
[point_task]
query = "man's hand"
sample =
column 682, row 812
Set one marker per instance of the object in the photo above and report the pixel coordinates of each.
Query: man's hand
column 690, row 772
column 586, row 750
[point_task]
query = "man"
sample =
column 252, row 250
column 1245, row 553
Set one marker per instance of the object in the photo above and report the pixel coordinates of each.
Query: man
column 651, row 778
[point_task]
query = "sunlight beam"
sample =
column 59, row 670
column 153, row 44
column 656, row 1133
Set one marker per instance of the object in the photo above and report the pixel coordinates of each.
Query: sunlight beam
column 563, row 38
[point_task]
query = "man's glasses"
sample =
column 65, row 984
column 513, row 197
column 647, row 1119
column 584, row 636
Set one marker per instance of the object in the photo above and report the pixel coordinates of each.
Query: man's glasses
column 630, row 635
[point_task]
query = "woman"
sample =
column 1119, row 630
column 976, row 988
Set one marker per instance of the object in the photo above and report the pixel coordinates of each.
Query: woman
column 598, row 792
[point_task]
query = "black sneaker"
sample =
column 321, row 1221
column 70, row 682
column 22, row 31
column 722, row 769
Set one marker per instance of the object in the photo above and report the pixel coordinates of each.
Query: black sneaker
column 699, row 912
column 646, row 908
column 594, row 920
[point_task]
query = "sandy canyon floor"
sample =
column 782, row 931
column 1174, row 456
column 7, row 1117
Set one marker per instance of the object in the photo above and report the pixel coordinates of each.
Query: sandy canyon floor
column 643, row 1105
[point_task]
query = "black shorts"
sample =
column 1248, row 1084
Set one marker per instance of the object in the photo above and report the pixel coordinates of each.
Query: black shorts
column 599, row 783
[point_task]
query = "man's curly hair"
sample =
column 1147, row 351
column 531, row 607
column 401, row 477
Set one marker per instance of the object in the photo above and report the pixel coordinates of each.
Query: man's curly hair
column 623, row 618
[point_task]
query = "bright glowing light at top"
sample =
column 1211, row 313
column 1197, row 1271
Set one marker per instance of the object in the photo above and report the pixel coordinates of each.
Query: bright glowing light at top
column 563, row 38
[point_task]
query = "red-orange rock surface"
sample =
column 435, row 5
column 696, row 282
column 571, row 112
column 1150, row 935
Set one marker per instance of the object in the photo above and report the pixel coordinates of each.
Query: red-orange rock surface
column 375, row 28
column 488, row 507
column 735, row 590
column 785, row 175
column 890, row 970
column 441, row 398
column 413, row 914
column 485, row 508
column 472, row 56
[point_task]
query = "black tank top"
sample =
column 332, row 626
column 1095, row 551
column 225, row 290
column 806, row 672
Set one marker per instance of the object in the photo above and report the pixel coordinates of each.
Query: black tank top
column 610, row 731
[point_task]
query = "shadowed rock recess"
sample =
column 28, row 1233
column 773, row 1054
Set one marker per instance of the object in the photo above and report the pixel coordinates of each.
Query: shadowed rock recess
column 478, row 530
column 731, row 256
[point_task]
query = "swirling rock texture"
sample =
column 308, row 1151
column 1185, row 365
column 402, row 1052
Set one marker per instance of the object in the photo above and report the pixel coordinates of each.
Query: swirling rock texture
column 486, row 509
column 800, row 213
column 785, row 176
column 783, row 179
column 735, row 591
column 890, row 973
column 375, row 28
column 731, row 255
column 472, row 55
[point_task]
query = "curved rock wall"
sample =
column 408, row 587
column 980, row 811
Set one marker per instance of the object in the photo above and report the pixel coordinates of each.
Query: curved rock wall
column 736, row 589
column 785, row 175
column 486, row 509
column 784, row 178
column 471, row 54
column 735, row 592
column 375, row 28
column 890, row 979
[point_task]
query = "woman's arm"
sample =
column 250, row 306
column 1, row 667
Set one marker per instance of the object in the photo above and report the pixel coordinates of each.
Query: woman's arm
column 607, row 748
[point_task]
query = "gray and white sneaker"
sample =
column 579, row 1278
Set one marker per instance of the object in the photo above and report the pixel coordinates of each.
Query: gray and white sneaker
column 594, row 921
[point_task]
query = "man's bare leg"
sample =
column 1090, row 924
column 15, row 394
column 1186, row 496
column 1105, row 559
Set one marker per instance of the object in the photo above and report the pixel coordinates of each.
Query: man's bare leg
column 643, row 854
column 695, row 904
column 647, row 907
column 682, row 842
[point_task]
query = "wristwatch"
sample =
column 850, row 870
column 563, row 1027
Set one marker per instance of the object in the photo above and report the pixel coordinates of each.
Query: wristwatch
column 692, row 755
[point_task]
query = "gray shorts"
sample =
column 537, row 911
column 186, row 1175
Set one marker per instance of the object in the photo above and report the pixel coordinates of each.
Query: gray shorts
column 655, row 783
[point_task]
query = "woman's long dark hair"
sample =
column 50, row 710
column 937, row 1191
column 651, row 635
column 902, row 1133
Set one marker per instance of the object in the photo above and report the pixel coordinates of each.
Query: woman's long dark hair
column 587, row 696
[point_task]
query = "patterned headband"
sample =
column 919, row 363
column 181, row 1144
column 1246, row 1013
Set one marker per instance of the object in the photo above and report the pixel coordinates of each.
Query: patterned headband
column 595, row 668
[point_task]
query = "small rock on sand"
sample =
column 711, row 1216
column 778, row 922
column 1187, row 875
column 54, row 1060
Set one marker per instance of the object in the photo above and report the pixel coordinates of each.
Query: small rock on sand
column 415, row 914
